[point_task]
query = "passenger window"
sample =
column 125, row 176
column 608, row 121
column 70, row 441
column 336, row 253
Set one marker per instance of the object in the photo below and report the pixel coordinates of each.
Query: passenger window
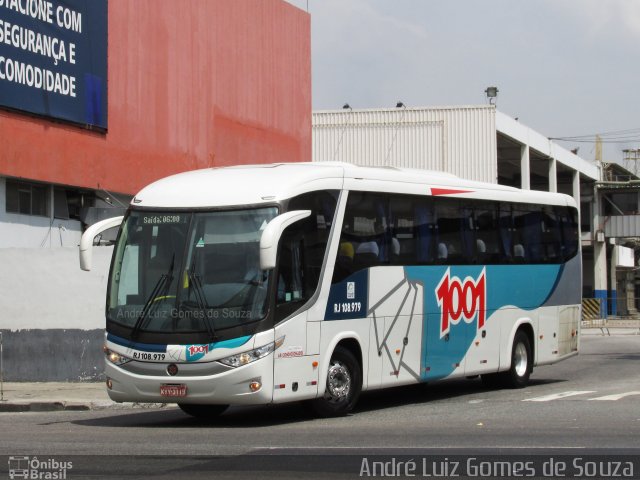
column 387, row 229
column 450, row 249
column 488, row 247
column 366, row 239
column 525, row 236
column 551, row 237
column 568, row 225
column 413, row 230
column 507, row 233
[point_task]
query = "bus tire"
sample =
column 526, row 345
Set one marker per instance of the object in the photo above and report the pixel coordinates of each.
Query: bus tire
column 343, row 387
column 521, row 362
column 204, row 412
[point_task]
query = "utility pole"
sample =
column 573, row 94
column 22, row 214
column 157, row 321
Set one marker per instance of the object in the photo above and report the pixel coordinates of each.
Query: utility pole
column 598, row 149
column 599, row 244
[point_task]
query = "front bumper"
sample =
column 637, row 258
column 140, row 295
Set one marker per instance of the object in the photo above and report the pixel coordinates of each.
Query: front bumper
column 228, row 387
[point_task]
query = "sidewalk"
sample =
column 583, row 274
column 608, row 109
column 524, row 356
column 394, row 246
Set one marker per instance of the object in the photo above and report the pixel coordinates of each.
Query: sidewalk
column 54, row 396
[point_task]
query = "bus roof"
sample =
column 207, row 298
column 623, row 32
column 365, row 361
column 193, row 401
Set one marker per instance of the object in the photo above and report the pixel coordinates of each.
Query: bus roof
column 269, row 183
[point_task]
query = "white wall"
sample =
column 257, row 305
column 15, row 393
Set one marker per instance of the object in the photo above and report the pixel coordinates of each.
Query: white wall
column 29, row 231
column 44, row 288
column 459, row 140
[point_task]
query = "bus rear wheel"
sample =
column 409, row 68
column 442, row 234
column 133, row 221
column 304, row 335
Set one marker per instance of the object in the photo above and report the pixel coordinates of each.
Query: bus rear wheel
column 521, row 366
column 343, row 387
column 204, row 412
column 521, row 362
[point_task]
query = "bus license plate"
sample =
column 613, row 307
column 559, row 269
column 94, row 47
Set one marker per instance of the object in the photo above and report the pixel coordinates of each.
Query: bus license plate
column 175, row 390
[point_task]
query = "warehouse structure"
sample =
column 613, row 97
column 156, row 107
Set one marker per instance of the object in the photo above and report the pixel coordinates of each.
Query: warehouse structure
column 617, row 229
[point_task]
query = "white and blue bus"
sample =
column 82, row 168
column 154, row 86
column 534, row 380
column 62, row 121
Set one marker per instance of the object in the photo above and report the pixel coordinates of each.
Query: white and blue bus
column 277, row 283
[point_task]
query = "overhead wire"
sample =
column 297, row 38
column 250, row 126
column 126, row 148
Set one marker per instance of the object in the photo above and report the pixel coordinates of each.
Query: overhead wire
column 615, row 136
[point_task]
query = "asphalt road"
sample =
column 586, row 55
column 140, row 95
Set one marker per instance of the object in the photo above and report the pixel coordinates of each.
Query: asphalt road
column 585, row 405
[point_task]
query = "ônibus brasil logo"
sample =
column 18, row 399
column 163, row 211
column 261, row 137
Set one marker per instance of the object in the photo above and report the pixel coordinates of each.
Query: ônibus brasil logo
column 461, row 299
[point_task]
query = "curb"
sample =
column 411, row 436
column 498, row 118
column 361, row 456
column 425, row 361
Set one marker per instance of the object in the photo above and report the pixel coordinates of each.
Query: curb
column 40, row 406
column 9, row 406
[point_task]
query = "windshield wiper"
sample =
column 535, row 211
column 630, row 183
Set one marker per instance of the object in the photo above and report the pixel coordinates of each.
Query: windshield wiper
column 201, row 300
column 162, row 285
column 198, row 291
column 200, row 297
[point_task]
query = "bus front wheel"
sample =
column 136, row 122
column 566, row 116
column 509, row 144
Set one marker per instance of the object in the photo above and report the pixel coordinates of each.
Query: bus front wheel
column 204, row 412
column 343, row 386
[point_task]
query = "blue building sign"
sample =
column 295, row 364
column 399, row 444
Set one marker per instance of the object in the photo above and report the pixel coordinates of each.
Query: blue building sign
column 53, row 59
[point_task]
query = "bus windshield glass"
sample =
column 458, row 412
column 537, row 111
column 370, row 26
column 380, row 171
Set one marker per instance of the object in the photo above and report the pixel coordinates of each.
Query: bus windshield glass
column 177, row 272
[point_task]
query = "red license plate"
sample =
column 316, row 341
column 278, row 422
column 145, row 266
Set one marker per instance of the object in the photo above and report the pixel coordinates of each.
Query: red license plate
column 175, row 390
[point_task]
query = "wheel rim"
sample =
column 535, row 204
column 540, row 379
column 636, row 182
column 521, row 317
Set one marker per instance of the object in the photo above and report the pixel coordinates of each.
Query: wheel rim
column 520, row 360
column 338, row 382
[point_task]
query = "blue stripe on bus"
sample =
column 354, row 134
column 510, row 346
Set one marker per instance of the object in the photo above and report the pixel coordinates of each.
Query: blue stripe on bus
column 151, row 347
column 526, row 287
column 231, row 343
column 143, row 347
column 529, row 290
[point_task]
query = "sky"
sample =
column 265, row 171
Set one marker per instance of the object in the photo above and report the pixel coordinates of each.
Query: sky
column 565, row 68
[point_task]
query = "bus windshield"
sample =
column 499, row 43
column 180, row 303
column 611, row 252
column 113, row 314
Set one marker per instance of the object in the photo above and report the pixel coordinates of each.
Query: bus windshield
column 177, row 272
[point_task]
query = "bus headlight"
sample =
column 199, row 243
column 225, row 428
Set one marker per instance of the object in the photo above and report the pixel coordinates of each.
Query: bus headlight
column 115, row 357
column 244, row 358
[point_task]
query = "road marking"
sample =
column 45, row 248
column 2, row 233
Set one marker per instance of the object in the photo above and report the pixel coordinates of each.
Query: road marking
column 376, row 449
column 616, row 396
column 557, row 396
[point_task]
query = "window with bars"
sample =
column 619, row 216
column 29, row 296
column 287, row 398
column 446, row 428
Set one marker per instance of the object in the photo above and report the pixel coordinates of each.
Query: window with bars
column 26, row 198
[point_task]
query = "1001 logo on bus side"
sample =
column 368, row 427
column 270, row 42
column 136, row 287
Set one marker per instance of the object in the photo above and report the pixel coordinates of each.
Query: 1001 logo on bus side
column 460, row 299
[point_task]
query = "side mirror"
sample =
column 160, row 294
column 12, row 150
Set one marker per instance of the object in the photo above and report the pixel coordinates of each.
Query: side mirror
column 272, row 233
column 86, row 242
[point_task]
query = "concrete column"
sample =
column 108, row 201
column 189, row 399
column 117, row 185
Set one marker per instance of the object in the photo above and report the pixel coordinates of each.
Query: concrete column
column 599, row 256
column 525, row 170
column 631, row 293
column 553, row 175
column 613, row 296
column 52, row 199
column 600, row 275
column 575, row 191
